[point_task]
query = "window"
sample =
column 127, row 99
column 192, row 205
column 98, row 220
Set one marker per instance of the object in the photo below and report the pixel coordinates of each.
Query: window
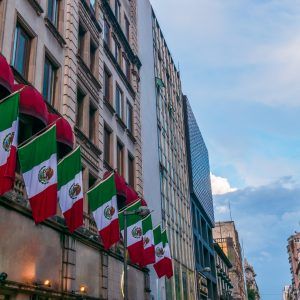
column 127, row 27
column 21, row 51
column 93, row 4
column 129, row 119
column 117, row 52
column 120, row 158
column 107, row 85
column 53, row 12
column 49, row 80
column 79, row 113
column 107, row 145
column 119, row 102
column 127, row 68
column 117, row 10
column 92, row 123
column 81, row 38
column 106, row 33
column 130, row 170
column 93, row 50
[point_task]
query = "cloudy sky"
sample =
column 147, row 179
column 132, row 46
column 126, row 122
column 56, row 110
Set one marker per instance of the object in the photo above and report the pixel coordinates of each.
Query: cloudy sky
column 240, row 68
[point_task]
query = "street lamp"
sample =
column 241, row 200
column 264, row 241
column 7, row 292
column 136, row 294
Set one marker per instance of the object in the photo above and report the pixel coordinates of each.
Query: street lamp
column 206, row 270
column 142, row 211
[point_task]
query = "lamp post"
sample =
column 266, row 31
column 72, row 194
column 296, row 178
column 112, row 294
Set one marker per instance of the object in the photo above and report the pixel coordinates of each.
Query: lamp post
column 142, row 211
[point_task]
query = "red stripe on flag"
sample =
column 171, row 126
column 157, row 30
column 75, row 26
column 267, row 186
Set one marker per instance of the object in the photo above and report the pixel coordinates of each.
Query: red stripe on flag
column 164, row 268
column 74, row 216
column 7, row 172
column 168, row 267
column 110, row 234
column 148, row 256
column 159, row 268
column 44, row 204
column 135, row 252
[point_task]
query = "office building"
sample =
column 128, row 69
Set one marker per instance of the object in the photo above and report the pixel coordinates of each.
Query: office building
column 251, row 284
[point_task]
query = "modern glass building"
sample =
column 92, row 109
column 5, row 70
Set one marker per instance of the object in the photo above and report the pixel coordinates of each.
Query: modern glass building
column 201, row 205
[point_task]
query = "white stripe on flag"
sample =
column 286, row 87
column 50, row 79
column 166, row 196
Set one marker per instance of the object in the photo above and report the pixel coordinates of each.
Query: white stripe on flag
column 130, row 231
column 4, row 135
column 159, row 252
column 34, row 184
column 149, row 235
column 65, row 200
column 99, row 216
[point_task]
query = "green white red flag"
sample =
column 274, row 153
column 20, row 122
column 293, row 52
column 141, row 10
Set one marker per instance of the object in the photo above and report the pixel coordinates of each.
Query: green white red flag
column 103, row 203
column 70, row 192
column 38, row 161
column 148, row 255
column 159, row 252
column 134, row 232
column 9, row 124
column 167, row 261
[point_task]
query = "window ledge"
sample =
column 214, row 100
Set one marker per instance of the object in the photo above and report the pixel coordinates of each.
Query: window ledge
column 120, row 121
column 55, row 32
column 19, row 77
column 36, row 6
column 92, row 15
column 130, row 135
column 109, row 106
column 107, row 166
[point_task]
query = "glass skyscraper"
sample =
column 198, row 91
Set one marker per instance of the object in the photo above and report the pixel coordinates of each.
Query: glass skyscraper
column 201, row 204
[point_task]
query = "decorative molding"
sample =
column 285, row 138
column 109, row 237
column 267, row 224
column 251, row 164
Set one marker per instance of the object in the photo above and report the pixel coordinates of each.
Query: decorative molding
column 36, row 6
column 109, row 106
column 55, row 32
column 91, row 14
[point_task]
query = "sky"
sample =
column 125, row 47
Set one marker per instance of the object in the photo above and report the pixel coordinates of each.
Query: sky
column 240, row 68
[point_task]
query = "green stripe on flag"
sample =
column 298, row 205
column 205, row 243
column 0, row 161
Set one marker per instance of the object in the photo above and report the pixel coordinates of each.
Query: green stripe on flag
column 102, row 193
column 68, row 167
column 147, row 223
column 164, row 237
column 38, row 150
column 9, row 110
column 131, row 219
column 157, row 235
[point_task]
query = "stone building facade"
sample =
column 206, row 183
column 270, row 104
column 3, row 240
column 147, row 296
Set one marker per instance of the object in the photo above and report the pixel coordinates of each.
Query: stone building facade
column 164, row 154
column 226, row 235
column 82, row 57
column 252, row 287
column 293, row 249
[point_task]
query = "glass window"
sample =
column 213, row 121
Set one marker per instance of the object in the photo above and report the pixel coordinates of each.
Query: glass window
column 49, row 80
column 21, row 51
column 92, row 123
column 93, row 50
column 107, row 85
column 106, row 32
column 53, row 12
column 120, row 158
column 117, row 10
column 107, row 145
column 81, row 38
column 127, row 69
column 127, row 27
column 117, row 53
column 79, row 112
column 129, row 120
column 131, row 170
column 119, row 102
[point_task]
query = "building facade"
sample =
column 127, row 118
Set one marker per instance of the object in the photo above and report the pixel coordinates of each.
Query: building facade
column 82, row 57
column 164, row 154
column 252, row 287
column 226, row 235
column 223, row 265
column 201, row 204
column 293, row 249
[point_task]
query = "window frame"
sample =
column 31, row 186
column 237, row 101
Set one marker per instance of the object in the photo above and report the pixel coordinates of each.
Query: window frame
column 129, row 108
column 131, row 177
column 120, row 159
column 119, row 106
column 107, row 92
column 54, row 68
column 54, row 21
column 107, row 139
column 118, row 10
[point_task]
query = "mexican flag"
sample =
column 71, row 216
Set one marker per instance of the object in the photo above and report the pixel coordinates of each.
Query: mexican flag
column 148, row 255
column 134, row 232
column 167, row 261
column 70, row 193
column 38, row 161
column 9, row 112
column 103, row 203
column 159, row 252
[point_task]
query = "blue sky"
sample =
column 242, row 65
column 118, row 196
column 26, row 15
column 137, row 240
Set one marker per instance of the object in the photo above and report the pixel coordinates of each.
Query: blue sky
column 240, row 68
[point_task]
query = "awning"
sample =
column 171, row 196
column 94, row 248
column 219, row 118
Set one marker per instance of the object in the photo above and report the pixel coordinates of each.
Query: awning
column 6, row 75
column 32, row 103
column 64, row 133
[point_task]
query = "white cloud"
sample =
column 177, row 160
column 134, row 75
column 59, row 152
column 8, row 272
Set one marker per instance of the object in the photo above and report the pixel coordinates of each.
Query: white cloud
column 222, row 209
column 220, row 185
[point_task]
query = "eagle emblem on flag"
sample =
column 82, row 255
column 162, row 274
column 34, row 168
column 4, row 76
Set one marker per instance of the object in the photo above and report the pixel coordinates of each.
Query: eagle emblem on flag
column 136, row 232
column 7, row 142
column 74, row 190
column 159, row 252
column 45, row 174
column 109, row 211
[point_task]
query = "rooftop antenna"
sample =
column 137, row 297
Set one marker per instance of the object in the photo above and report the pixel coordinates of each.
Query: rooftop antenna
column 229, row 206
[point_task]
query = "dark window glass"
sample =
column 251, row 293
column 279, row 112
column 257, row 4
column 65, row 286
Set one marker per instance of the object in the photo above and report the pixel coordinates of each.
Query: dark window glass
column 81, row 38
column 21, row 51
column 117, row 10
column 49, row 80
column 127, row 27
column 53, row 12
column 79, row 113
column 119, row 102
column 92, row 123
column 107, row 85
column 127, row 69
column 120, row 158
column 93, row 50
column 129, row 121
column 106, row 33
column 130, row 170
column 117, row 52
column 107, row 145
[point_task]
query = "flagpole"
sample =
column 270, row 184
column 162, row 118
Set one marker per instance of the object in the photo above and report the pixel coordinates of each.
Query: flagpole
column 7, row 97
column 125, row 258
